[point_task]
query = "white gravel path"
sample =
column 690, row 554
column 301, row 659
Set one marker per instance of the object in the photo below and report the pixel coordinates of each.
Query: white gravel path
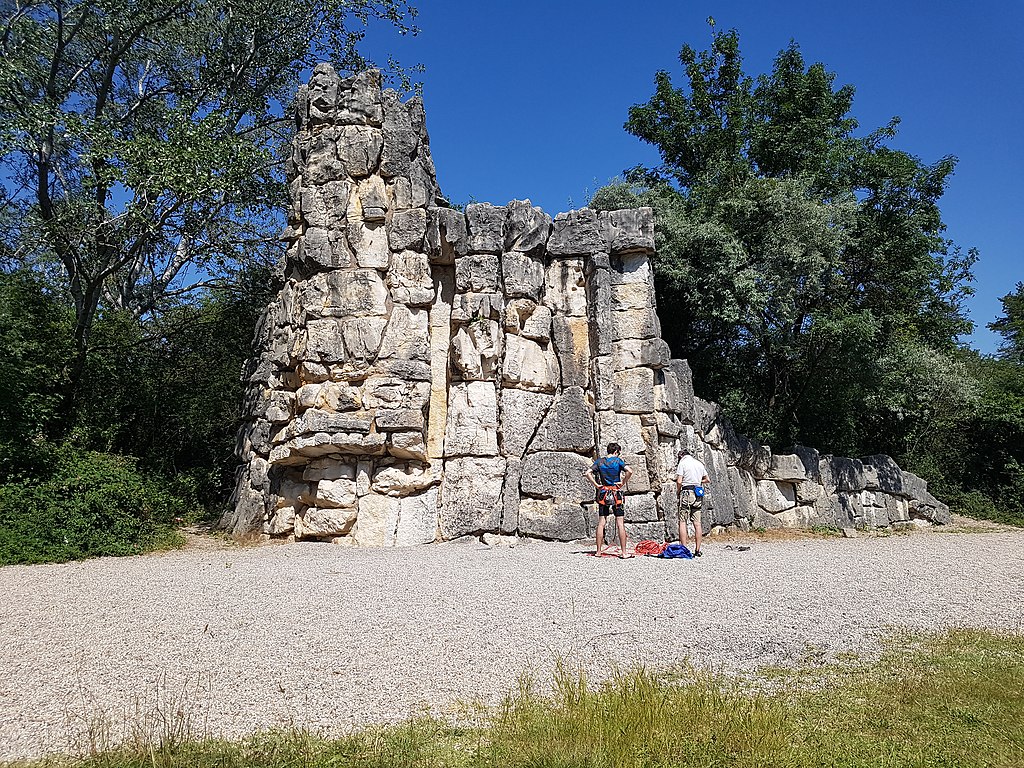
column 325, row 636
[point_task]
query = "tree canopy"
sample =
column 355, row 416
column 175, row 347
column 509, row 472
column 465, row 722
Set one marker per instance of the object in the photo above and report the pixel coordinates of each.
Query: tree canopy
column 802, row 265
column 141, row 142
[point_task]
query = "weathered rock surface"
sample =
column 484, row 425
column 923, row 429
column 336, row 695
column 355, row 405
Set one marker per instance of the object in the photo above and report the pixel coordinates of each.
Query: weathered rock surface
column 427, row 373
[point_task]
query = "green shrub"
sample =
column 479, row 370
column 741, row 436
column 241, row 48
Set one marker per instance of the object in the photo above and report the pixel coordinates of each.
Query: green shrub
column 87, row 504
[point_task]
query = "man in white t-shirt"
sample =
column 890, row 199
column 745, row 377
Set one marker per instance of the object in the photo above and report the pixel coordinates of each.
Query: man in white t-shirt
column 691, row 478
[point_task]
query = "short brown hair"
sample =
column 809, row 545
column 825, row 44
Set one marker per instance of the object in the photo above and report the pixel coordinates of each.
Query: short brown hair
column 614, row 447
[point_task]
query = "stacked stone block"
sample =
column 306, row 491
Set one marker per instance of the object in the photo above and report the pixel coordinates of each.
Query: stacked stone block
column 428, row 373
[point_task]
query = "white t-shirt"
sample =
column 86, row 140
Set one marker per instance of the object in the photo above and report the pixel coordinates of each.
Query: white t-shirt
column 691, row 470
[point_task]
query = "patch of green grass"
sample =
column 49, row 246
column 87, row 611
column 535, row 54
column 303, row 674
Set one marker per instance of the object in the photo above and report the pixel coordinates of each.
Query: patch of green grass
column 955, row 699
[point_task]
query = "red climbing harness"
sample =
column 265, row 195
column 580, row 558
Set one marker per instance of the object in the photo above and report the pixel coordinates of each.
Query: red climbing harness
column 609, row 496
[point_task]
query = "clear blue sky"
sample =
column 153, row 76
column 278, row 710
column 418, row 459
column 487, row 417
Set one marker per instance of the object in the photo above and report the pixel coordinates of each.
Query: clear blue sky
column 527, row 99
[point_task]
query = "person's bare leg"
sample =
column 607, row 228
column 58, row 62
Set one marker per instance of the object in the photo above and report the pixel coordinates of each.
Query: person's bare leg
column 684, row 536
column 600, row 534
column 620, row 523
column 696, row 532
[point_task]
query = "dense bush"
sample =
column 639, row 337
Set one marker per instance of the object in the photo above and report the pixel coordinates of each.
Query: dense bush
column 85, row 504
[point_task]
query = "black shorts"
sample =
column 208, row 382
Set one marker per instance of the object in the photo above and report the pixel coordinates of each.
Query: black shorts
column 609, row 502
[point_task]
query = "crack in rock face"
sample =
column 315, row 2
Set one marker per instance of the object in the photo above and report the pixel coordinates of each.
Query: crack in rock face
column 427, row 373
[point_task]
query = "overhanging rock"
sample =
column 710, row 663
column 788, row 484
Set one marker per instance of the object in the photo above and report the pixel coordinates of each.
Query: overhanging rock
column 427, row 373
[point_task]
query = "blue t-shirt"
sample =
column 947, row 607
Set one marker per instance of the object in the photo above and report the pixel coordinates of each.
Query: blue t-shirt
column 609, row 470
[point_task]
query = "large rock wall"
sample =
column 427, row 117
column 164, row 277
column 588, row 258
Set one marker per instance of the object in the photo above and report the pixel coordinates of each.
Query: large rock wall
column 428, row 373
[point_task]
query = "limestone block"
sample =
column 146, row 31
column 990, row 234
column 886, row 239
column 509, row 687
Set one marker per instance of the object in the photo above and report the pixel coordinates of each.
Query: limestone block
column 809, row 492
column 472, row 307
column 523, row 275
column 345, row 293
column 552, row 519
column 602, row 372
column 510, row 499
column 744, row 493
column 408, row 445
column 369, row 242
column 299, row 450
column 477, row 272
column 629, row 231
column 476, row 349
column 399, row 420
column 641, row 508
column 324, row 206
column 786, row 467
column 634, row 390
column 472, row 428
column 328, row 396
column 369, row 204
column 632, row 296
column 377, row 520
column 622, row 428
column 417, row 519
column 259, row 471
column 640, row 480
column 321, row 161
column 668, row 424
column 422, row 184
column 775, row 496
column 634, row 324
column 315, row 522
column 526, row 227
column 364, row 470
column 526, row 317
column 406, row 229
column 403, row 479
column 556, row 475
column 309, row 372
column 335, row 340
column 328, row 469
column 631, row 269
column 632, row 353
column 333, row 494
column 410, row 370
column 565, row 288
column 927, row 507
column 278, row 406
column 719, row 507
column 447, row 236
column 317, row 420
column 282, row 521
column 668, row 509
column 529, row 365
column 409, row 279
column 521, row 414
column 842, row 474
column 400, row 136
column 575, row 233
column 470, row 498
column 359, row 149
column 485, row 227
column 323, row 93
column 568, row 425
column 359, row 99
column 406, row 336
column 883, row 474
column 393, row 392
column 571, row 337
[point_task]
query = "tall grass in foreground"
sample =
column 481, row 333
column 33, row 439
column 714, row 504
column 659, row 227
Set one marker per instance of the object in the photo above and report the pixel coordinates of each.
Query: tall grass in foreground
column 955, row 699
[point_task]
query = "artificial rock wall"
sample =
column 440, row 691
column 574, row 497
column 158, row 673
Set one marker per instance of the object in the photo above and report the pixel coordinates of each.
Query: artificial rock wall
column 428, row 373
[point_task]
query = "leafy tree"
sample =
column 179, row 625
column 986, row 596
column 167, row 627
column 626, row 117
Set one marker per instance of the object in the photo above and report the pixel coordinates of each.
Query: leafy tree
column 141, row 140
column 800, row 264
column 1011, row 325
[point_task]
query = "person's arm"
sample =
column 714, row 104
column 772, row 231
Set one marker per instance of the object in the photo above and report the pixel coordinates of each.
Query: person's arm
column 590, row 475
column 627, row 473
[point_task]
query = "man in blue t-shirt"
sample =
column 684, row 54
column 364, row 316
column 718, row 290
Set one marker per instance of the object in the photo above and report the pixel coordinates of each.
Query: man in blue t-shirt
column 609, row 475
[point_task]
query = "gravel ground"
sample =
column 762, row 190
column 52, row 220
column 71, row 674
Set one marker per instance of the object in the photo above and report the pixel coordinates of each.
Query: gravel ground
column 330, row 637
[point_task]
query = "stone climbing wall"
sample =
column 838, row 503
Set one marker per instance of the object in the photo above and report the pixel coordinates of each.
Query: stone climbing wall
column 428, row 373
